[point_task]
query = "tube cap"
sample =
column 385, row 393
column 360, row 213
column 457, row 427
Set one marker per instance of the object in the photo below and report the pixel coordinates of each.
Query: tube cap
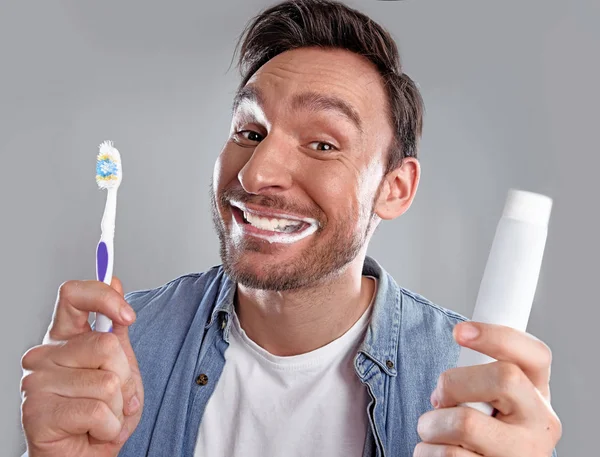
column 528, row 207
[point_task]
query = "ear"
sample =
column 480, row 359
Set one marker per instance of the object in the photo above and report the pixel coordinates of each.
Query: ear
column 398, row 189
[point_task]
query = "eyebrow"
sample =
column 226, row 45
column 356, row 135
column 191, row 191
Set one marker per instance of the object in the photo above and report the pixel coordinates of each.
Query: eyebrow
column 311, row 101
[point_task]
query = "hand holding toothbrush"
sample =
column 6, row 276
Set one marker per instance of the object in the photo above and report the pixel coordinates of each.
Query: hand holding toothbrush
column 82, row 390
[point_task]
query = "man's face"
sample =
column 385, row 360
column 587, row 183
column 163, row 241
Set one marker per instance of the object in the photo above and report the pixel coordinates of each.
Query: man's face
column 294, row 186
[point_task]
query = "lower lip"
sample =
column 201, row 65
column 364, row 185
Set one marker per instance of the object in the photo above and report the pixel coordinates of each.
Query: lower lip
column 268, row 235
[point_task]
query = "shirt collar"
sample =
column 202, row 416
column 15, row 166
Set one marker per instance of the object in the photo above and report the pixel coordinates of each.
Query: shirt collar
column 381, row 339
column 224, row 303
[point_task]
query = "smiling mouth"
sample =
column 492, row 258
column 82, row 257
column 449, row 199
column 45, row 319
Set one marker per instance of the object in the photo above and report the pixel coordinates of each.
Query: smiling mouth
column 272, row 224
column 274, row 227
column 269, row 224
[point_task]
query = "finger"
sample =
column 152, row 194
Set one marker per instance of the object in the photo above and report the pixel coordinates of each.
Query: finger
column 502, row 384
column 64, row 417
column 83, row 415
column 467, row 427
column 37, row 357
column 506, row 344
column 76, row 299
column 98, row 350
column 99, row 385
column 101, row 351
column 441, row 450
column 116, row 284
column 122, row 333
column 134, row 387
column 93, row 350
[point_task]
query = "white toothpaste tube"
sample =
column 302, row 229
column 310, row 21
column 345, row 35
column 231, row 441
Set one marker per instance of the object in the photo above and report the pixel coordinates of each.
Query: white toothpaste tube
column 512, row 270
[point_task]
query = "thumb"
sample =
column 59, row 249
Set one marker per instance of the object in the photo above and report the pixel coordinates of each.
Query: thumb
column 117, row 285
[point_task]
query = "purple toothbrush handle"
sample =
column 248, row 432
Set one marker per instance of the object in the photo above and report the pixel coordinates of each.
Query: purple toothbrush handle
column 101, row 261
column 101, row 266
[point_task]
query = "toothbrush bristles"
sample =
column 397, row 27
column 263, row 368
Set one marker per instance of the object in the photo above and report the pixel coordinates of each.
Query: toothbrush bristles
column 109, row 171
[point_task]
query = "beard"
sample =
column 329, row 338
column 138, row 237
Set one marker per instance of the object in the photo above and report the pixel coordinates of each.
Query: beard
column 321, row 260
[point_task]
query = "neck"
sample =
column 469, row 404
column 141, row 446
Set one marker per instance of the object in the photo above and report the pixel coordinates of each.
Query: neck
column 299, row 321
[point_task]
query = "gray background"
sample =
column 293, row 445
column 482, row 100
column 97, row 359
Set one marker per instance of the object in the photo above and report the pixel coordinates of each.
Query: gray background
column 512, row 97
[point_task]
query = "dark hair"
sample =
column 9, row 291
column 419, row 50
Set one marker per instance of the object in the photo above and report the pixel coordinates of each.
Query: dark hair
column 330, row 24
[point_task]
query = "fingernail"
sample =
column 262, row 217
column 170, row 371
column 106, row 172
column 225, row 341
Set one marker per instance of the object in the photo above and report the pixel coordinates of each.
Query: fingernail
column 134, row 405
column 468, row 332
column 434, row 401
column 124, row 434
column 127, row 314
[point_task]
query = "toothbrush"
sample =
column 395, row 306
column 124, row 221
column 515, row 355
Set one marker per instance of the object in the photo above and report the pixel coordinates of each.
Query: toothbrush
column 109, row 174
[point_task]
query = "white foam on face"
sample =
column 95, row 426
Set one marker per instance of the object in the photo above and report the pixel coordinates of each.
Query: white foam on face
column 249, row 112
column 242, row 207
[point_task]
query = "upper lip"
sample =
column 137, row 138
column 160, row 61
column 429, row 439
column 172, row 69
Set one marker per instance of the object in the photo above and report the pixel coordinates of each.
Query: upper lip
column 265, row 212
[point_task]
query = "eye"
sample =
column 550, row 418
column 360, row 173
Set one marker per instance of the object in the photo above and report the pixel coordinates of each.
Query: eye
column 322, row 146
column 247, row 137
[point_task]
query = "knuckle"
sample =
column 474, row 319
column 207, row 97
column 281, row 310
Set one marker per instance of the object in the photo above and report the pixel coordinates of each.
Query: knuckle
column 546, row 357
column 60, row 411
column 447, row 451
column 66, row 290
column 105, row 343
column 509, row 376
column 99, row 411
column 450, row 451
column 28, row 382
column 30, row 359
column 466, row 422
column 105, row 297
column 420, row 450
column 29, row 410
column 444, row 383
column 555, row 427
column 110, row 298
column 129, row 388
column 424, row 450
column 111, row 383
column 421, row 427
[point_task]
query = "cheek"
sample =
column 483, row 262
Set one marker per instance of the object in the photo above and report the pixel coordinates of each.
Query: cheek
column 218, row 173
column 347, row 194
column 369, row 184
column 227, row 166
column 336, row 192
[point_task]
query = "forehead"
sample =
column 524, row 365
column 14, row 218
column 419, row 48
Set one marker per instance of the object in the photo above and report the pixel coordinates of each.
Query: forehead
column 331, row 73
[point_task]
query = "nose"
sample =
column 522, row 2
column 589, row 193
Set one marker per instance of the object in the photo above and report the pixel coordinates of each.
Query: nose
column 269, row 168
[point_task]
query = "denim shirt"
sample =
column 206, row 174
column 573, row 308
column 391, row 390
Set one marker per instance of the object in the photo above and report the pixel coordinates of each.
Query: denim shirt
column 182, row 332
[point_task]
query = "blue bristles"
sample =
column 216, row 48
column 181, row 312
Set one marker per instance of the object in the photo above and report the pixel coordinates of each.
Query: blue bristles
column 106, row 167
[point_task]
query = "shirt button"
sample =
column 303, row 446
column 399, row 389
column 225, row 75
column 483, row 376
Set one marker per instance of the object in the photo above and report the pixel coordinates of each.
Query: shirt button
column 202, row 380
column 389, row 364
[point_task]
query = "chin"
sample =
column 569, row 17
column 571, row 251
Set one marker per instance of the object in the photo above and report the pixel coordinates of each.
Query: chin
column 265, row 277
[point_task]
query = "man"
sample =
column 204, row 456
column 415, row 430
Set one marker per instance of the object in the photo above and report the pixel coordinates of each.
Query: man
column 298, row 344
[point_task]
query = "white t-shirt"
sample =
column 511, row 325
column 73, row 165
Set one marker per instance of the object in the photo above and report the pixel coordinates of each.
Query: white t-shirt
column 299, row 406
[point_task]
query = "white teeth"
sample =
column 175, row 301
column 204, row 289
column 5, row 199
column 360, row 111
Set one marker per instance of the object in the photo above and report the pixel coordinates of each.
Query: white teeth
column 274, row 225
